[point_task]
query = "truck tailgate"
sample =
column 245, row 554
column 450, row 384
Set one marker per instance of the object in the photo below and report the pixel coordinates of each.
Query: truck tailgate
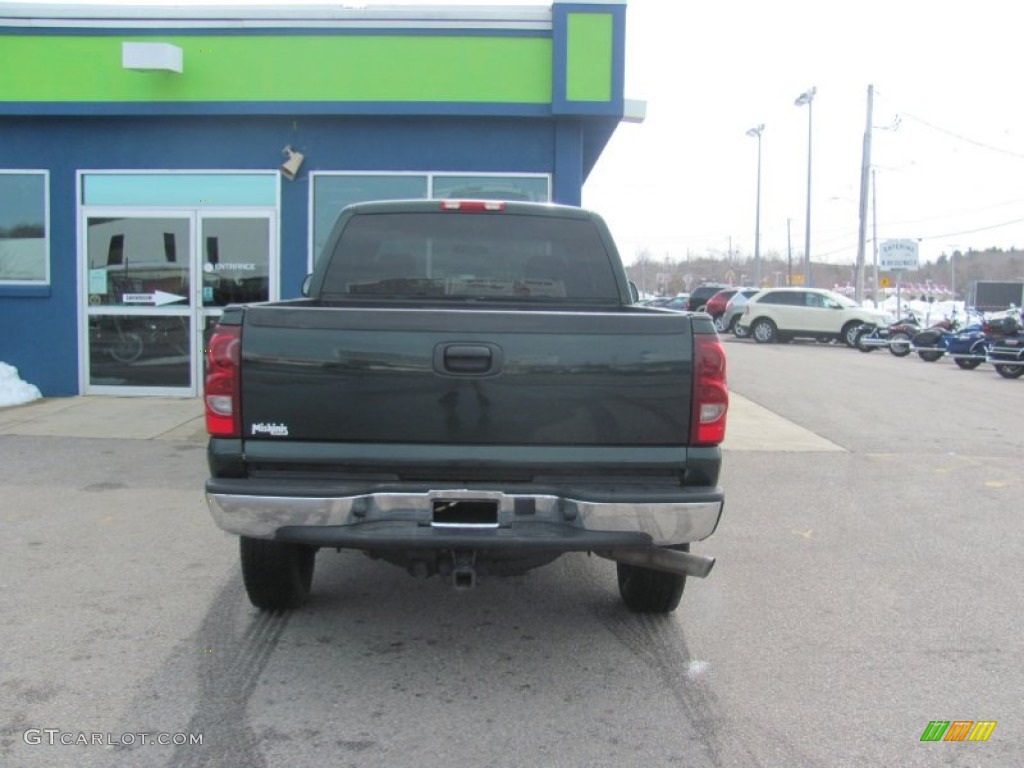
column 466, row 376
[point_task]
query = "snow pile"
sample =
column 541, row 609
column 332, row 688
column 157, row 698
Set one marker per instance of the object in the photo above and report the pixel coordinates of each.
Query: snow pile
column 928, row 312
column 14, row 391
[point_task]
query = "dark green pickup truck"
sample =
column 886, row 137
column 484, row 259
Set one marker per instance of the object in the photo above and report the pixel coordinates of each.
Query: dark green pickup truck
column 467, row 390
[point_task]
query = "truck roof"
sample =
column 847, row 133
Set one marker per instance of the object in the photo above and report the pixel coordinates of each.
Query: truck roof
column 419, row 205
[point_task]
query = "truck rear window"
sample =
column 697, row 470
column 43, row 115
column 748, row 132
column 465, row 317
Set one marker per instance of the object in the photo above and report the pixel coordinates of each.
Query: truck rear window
column 481, row 256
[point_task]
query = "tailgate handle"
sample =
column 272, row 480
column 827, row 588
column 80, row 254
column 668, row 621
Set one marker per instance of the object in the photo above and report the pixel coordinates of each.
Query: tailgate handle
column 468, row 359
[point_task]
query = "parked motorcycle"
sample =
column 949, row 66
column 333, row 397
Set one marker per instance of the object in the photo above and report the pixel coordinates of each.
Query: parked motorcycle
column 969, row 348
column 1005, row 337
column 933, row 343
column 896, row 336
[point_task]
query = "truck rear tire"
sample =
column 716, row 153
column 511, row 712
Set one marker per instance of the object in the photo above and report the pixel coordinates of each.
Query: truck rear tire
column 277, row 576
column 645, row 590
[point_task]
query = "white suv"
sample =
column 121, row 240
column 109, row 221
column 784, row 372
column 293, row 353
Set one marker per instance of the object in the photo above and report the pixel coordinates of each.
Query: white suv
column 780, row 314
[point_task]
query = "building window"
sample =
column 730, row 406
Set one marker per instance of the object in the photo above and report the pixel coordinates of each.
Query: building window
column 502, row 187
column 332, row 191
column 24, row 227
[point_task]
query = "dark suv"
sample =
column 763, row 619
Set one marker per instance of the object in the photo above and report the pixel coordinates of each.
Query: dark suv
column 700, row 295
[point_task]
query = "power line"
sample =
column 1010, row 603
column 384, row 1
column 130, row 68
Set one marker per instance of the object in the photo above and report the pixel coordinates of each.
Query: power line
column 852, row 246
column 938, row 237
column 964, row 212
column 961, row 137
column 972, row 231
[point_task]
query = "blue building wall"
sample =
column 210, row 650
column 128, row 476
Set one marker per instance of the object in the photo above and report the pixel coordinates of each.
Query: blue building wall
column 40, row 324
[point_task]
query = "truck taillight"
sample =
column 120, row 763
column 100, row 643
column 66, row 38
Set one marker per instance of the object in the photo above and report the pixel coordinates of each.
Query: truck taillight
column 220, row 395
column 710, row 391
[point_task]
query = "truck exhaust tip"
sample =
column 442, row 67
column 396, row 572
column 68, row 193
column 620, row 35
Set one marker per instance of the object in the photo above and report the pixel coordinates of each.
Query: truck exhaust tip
column 670, row 561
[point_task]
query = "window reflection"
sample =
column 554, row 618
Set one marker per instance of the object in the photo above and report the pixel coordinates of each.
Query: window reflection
column 140, row 351
column 130, row 259
column 23, row 241
column 532, row 189
column 332, row 192
column 236, row 260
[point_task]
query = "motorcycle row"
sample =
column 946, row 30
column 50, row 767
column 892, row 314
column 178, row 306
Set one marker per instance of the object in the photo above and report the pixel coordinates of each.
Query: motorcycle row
column 996, row 340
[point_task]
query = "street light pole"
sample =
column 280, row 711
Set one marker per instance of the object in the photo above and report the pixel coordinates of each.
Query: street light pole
column 807, row 97
column 756, row 132
column 789, row 252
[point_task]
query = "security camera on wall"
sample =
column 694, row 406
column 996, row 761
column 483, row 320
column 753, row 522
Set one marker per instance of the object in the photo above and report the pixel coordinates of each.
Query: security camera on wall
column 290, row 167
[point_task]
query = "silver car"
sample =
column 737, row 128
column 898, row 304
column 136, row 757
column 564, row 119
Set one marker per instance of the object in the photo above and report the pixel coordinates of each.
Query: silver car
column 729, row 321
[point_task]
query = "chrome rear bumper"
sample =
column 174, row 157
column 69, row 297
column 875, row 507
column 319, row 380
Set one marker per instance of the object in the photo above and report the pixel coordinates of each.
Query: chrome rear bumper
column 692, row 517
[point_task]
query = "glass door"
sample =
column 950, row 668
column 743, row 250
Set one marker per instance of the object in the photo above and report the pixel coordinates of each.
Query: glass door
column 236, row 265
column 139, row 306
column 156, row 282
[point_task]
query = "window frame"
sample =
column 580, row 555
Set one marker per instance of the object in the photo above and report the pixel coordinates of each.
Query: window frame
column 47, row 272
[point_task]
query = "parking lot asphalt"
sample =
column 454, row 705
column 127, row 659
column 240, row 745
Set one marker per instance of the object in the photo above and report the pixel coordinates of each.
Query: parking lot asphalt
column 105, row 416
column 860, row 594
column 751, row 427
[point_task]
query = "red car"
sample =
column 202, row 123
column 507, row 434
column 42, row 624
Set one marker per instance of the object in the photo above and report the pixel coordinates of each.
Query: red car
column 716, row 304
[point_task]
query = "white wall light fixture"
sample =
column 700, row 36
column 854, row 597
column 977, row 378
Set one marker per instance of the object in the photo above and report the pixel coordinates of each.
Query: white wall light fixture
column 152, row 57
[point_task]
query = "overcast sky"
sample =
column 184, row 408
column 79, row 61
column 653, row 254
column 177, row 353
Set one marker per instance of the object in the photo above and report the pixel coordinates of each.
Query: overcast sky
column 684, row 181
column 952, row 172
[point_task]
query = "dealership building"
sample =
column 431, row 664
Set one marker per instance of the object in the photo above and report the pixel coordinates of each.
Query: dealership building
column 157, row 164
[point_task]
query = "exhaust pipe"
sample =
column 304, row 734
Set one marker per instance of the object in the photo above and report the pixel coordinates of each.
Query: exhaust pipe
column 658, row 559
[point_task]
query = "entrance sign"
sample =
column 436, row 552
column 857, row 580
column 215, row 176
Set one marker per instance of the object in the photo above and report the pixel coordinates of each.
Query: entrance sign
column 896, row 255
column 156, row 298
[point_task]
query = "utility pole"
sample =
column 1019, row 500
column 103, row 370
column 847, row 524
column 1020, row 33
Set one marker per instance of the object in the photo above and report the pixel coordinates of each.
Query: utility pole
column 952, row 274
column 865, row 167
column 789, row 250
column 874, row 229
